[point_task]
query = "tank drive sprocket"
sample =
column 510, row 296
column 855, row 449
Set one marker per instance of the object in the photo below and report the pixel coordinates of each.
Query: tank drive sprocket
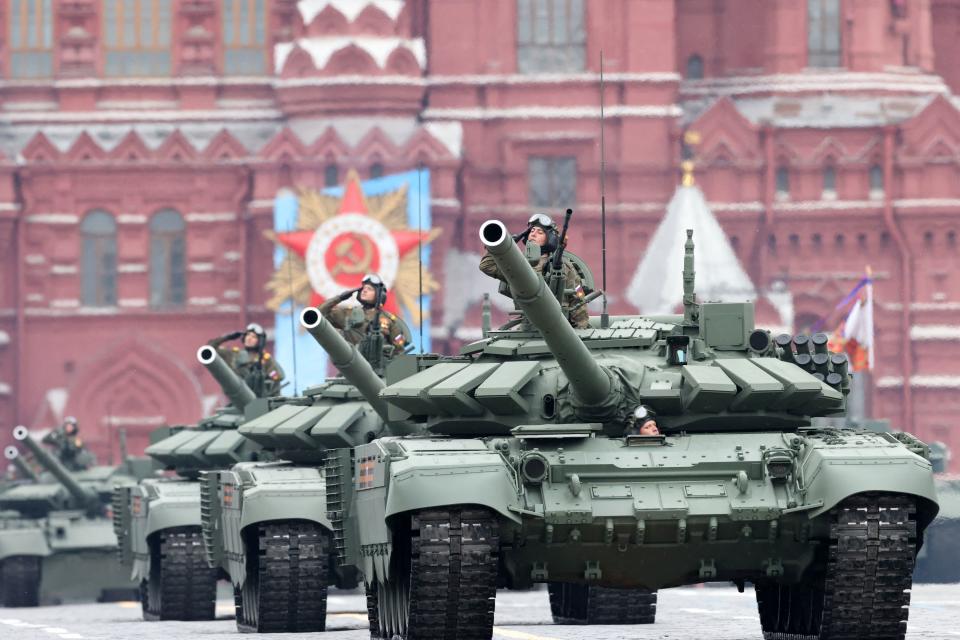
column 862, row 590
column 287, row 576
column 443, row 581
column 181, row 585
column 590, row 604
column 20, row 581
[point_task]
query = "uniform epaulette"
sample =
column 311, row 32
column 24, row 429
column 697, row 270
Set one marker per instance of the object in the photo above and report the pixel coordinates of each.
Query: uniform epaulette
column 236, row 348
column 266, row 355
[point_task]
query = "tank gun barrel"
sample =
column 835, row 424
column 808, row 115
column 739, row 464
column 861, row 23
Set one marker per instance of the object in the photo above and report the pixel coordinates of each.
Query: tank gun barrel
column 592, row 385
column 12, row 454
column 233, row 386
column 346, row 359
column 49, row 462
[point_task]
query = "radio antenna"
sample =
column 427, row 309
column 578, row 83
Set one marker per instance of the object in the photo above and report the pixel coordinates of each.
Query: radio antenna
column 604, row 316
column 293, row 328
column 420, row 247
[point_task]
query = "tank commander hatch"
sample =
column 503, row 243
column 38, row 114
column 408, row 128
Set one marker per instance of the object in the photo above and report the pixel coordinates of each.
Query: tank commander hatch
column 542, row 230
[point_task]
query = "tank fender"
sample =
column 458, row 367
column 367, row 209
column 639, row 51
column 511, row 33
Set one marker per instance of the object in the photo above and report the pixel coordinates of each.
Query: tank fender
column 167, row 513
column 270, row 492
column 831, row 476
column 23, row 542
column 426, row 481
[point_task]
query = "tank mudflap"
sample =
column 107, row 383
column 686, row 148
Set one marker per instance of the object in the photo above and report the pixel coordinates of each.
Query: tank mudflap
column 20, row 581
column 590, row 604
column 443, row 580
column 287, row 574
column 861, row 591
column 181, row 585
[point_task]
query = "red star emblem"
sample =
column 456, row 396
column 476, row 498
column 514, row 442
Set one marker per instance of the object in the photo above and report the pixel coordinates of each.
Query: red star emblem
column 352, row 253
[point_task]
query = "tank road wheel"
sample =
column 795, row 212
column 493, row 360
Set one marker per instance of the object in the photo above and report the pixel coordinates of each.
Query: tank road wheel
column 586, row 604
column 286, row 586
column 181, row 586
column 443, row 581
column 863, row 593
column 20, row 581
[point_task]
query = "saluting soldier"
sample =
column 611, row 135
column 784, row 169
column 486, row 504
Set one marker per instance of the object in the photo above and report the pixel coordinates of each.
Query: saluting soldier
column 354, row 322
column 252, row 362
column 68, row 447
column 542, row 230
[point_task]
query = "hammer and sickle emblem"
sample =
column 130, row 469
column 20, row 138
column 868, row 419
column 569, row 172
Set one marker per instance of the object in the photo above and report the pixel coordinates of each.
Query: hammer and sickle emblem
column 349, row 262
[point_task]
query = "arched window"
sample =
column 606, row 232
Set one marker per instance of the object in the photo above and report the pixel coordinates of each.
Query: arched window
column 376, row 170
column 168, row 282
column 829, row 182
column 98, row 280
column 331, row 175
column 783, row 182
column 876, row 179
column 694, row 67
column 823, row 33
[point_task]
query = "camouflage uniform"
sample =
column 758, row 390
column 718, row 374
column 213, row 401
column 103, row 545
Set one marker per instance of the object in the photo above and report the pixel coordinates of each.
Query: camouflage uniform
column 579, row 318
column 354, row 322
column 264, row 380
column 70, row 450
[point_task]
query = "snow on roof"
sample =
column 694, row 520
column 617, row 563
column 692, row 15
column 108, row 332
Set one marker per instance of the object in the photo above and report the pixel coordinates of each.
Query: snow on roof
column 657, row 283
column 252, row 135
column 819, row 81
column 921, row 381
column 4, row 338
column 310, row 9
column 5, row 389
column 935, row 332
column 379, row 48
column 828, row 111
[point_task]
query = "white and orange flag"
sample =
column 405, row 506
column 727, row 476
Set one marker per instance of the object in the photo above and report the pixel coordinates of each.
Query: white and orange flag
column 854, row 335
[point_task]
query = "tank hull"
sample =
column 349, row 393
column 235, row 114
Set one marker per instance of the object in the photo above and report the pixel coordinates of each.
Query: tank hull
column 672, row 511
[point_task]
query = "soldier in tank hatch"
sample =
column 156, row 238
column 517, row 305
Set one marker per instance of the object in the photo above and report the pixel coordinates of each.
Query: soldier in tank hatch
column 251, row 362
column 542, row 230
column 356, row 322
column 642, row 422
column 68, row 447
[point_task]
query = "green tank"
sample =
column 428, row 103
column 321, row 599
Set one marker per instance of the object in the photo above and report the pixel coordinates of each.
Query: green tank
column 157, row 521
column 266, row 523
column 57, row 527
column 523, row 473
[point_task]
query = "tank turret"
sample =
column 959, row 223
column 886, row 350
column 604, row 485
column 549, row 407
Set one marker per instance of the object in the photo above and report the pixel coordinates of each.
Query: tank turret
column 12, row 454
column 233, row 386
column 346, row 359
column 55, row 467
column 595, row 390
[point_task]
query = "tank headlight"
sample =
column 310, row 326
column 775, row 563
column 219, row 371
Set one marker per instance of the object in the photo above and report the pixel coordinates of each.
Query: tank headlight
column 779, row 465
column 534, row 468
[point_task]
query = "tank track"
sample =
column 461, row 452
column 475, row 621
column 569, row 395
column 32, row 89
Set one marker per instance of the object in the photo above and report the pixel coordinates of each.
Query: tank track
column 287, row 576
column 445, row 581
column 181, row 585
column 863, row 592
column 20, row 581
column 589, row 604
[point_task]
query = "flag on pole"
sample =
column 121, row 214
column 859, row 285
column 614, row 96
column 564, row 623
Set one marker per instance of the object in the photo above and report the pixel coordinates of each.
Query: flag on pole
column 855, row 335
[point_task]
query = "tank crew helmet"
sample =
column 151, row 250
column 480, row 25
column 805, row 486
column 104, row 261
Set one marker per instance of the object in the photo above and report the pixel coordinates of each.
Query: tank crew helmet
column 639, row 416
column 257, row 330
column 378, row 285
column 70, row 425
column 549, row 227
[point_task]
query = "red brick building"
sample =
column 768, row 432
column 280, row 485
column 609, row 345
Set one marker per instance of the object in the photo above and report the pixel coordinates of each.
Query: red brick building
column 142, row 143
